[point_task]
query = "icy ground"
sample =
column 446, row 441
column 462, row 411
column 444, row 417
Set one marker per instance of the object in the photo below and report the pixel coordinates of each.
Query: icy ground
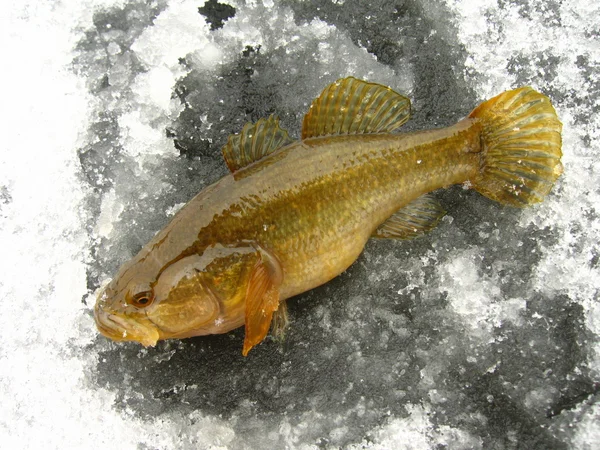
column 484, row 334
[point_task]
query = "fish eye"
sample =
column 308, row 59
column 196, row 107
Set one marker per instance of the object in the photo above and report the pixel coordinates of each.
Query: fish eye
column 142, row 299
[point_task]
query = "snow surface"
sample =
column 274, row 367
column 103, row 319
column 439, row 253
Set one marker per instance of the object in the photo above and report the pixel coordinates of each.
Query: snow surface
column 484, row 334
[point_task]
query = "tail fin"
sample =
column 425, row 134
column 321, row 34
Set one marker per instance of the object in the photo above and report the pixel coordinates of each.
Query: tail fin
column 521, row 147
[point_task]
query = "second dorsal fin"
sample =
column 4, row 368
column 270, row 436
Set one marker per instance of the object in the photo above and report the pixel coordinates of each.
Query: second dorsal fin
column 254, row 142
column 352, row 106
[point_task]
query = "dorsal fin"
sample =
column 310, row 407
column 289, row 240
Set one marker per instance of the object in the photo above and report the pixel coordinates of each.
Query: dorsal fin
column 415, row 219
column 254, row 142
column 352, row 106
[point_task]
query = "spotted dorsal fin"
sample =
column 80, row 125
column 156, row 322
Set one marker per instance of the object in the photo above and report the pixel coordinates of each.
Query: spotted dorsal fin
column 352, row 106
column 254, row 142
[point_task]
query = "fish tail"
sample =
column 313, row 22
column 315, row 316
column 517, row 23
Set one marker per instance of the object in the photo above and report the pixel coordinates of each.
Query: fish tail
column 520, row 147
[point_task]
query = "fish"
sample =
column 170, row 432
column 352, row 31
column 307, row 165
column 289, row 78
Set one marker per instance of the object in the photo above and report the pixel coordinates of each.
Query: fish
column 293, row 214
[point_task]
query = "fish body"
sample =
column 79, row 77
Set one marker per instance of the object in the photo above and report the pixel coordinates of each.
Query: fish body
column 292, row 215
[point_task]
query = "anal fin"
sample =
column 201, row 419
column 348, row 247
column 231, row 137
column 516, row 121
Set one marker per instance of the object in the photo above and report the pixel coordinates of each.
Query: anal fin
column 415, row 219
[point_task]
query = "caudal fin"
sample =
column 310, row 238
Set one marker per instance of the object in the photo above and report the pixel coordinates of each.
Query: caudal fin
column 521, row 147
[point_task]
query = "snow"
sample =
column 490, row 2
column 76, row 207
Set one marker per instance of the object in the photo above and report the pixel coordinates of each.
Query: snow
column 483, row 334
column 416, row 431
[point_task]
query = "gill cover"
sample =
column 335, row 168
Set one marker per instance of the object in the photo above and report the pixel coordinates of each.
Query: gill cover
column 215, row 291
column 183, row 301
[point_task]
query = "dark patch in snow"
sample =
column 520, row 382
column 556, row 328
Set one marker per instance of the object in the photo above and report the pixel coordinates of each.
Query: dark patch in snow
column 5, row 197
column 216, row 13
column 541, row 68
column 98, row 157
column 408, row 36
column 103, row 55
column 244, row 93
column 104, row 58
column 547, row 11
column 590, row 72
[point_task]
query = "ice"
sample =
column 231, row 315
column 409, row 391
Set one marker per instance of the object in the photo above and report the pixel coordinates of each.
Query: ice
column 483, row 334
column 416, row 431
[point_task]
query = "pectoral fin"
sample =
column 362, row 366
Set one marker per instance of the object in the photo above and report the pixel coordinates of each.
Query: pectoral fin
column 262, row 299
column 280, row 321
column 415, row 219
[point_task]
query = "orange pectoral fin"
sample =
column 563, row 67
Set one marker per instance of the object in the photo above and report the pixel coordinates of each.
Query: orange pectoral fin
column 262, row 300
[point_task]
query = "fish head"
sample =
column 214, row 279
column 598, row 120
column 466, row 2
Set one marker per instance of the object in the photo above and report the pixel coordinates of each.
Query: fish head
column 195, row 295
column 121, row 307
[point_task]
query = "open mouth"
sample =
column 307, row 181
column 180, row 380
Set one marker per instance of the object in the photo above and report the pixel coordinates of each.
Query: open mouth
column 125, row 328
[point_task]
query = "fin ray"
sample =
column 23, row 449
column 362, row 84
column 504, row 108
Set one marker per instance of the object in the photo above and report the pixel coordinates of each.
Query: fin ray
column 521, row 147
column 352, row 106
column 262, row 299
column 415, row 219
column 254, row 142
column 280, row 321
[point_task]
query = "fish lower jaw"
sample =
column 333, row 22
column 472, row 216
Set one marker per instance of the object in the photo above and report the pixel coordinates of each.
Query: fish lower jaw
column 134, row 330
column 120, row 328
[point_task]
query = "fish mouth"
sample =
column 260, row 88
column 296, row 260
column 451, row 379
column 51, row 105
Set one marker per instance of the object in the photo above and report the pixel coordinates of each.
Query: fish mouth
column 126, row 328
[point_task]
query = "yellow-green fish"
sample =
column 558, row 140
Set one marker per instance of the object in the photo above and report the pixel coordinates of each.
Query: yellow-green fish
column 292, row 215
